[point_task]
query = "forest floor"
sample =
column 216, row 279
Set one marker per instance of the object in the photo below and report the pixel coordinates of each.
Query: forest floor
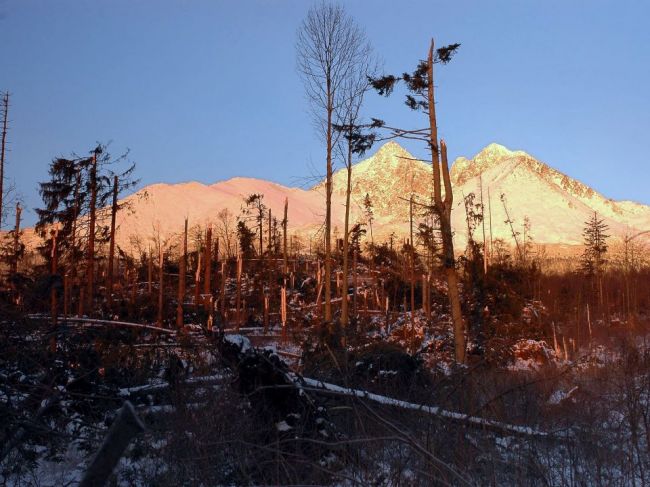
column 389, row 408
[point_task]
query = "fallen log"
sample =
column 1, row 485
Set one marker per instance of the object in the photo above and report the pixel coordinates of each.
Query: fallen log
column 317, row 386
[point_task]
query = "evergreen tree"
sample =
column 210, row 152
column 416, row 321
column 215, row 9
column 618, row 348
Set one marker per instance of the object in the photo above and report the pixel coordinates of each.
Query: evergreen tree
column 76, row 201
column 595, row 241
column 246, row 238
column 593, row 256
column 255, row 209
column 367, row 207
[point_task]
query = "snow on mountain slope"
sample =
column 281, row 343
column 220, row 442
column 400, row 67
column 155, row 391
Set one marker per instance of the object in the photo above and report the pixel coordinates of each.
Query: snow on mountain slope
column 165, row 207
column 556, row 205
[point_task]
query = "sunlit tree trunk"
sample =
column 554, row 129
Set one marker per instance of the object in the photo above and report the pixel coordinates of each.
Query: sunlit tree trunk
column 443, row 210
column 111, row 250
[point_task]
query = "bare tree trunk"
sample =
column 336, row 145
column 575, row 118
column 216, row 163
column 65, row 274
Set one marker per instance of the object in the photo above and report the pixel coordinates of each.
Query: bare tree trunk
column 354, row 282
column 443, row 210
column 182, row 271
column 269, row 244
column 197, row 279
column 111, row 250
column 207, row 274
column 215, row 274
column 261, row 230
column 412, row 255
column 284, row 237
column 490, row 217
column 90, row 258
column 14, row 260
column 222, row 303
column 346, row 243
column 328, row 207
column 485, row 249
column 5, row 111
column 450, row 263
column 150, row 274
column 54, row 257
column 240, row 259
column 73, row 240
column 126, row 426
column 283, row 309
column 160, row 286
column 265, row 300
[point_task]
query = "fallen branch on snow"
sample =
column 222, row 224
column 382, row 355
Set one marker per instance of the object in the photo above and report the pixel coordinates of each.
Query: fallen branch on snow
column 472, row 421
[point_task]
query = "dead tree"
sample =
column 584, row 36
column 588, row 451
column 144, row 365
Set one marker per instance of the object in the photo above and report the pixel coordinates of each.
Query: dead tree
column 53, row 298
column 150, row 273
column 412, row 266
column 92, row 218
column 207, row 274
column 330, row 45
column 160, row 285
column 222, row 302
column 17, row 249
column 111, row 250
column 285, row 259
column 5, row 113
column 240, row 261
column 513, row 232
column 421, row 97
column 182, row 270
column 126, row 426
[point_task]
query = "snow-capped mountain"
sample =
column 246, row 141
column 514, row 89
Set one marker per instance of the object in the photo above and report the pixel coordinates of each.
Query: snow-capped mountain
column 555, row 204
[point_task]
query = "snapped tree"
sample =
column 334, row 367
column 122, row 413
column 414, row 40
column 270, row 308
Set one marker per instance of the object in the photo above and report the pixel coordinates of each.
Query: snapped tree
column 421, row 98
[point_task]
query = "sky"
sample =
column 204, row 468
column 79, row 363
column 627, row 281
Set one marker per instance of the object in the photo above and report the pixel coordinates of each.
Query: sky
column 208, row 90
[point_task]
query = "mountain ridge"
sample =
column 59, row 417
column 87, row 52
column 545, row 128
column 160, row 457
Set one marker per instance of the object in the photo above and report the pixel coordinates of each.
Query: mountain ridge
column 555, row 204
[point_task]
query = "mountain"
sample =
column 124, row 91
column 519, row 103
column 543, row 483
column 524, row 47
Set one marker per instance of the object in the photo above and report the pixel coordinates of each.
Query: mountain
column 555, row 205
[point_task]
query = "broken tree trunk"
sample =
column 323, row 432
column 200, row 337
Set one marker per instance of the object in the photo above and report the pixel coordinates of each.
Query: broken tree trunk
column 207, row 274
column 126, row 426
column 160, row 288
column 54, row 269
column 111, row 248
column 197, row 281
column 182, row 271
column 443, row 211
column 222, row 302
column 5, row 111
column 14, row 260
column 92, row 216
column 284, row 237
column 238, row 298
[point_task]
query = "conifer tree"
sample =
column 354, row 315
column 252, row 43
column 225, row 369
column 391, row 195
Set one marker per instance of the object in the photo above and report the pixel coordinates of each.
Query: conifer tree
column 76, row 201
column 255, row 209
column 246, row 238
column 593, row 257
column 595, row 242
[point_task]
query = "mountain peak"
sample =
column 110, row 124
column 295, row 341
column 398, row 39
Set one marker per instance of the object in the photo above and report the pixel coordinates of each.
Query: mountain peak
column 490, row 156
column 494, row 150
column 389, row 150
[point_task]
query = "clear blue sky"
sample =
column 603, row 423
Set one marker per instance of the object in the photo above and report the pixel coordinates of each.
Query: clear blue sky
column 207, row 90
